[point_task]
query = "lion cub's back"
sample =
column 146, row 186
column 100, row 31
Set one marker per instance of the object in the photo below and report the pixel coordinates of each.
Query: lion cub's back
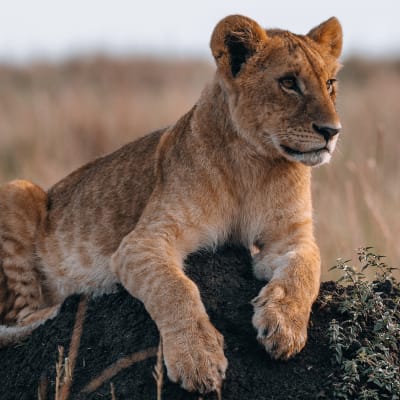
column 93, row 208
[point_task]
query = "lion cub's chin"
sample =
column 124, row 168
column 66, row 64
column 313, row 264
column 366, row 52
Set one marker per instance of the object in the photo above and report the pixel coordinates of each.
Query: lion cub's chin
column 311, row 159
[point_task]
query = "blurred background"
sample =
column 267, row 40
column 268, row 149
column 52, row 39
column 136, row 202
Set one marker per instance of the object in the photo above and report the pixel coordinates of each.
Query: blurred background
column 79, row 79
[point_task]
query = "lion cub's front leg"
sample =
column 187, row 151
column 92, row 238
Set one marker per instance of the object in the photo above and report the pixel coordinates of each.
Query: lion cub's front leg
column 149, row 265
column 282, row 308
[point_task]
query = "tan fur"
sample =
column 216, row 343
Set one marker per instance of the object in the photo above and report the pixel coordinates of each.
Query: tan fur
column 235, row 167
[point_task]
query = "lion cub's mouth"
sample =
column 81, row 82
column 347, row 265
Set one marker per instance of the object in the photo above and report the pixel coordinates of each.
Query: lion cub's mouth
column 311, row 158
column 293, row 152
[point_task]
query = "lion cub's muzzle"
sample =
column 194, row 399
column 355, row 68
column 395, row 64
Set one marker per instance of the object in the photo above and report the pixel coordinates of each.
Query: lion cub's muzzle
column 314, row 154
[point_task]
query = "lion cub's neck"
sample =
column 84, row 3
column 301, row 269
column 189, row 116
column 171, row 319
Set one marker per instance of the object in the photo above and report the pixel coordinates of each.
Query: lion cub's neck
column 211, row 118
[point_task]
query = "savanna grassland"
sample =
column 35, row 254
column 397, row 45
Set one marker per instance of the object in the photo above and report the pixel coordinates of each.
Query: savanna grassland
column 55, row 117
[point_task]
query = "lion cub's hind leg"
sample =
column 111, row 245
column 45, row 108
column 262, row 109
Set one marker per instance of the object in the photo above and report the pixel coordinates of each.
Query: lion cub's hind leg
column 22, row 209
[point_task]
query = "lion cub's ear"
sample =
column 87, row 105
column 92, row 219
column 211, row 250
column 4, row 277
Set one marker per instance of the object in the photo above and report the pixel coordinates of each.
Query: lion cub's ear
column 329, row 35
column 234, row 40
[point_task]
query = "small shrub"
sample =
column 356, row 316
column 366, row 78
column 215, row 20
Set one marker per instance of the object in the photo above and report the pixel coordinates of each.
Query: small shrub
column 365, row 343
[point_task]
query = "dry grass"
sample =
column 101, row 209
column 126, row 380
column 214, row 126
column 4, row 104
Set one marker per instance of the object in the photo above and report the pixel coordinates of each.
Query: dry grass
column 118, row 366
column 158, row 373
column 65, row 366
column 357, row 197
column 61, row 366
column 73, row 349
column 112, row 392
column 53, row 118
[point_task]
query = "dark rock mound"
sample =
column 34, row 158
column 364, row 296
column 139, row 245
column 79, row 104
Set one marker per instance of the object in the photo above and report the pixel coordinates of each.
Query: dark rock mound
column 118, row 332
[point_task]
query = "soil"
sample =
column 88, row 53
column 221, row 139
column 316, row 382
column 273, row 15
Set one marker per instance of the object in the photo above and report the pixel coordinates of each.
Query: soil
column 117, row 325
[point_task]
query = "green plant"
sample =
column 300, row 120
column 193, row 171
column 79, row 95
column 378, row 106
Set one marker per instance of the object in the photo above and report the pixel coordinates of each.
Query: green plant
column 365, row 343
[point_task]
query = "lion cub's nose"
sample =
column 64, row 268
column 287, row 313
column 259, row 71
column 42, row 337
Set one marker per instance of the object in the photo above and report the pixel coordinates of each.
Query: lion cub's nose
column 327, row 131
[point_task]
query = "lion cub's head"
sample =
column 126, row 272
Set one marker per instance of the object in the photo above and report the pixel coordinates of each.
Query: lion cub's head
column 281, row 87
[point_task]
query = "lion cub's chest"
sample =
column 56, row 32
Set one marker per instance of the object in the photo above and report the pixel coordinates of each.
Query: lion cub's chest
column 271, row 202
column 255, row 215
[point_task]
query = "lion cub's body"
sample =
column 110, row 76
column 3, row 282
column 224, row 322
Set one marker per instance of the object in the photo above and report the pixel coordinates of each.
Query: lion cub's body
column 216, row 175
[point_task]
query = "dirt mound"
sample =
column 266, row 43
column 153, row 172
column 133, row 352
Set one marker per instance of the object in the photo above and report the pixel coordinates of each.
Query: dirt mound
column 119, row 344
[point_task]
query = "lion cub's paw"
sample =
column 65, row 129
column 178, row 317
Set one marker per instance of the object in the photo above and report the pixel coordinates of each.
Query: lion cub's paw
column 194, row 356
column 281, row 321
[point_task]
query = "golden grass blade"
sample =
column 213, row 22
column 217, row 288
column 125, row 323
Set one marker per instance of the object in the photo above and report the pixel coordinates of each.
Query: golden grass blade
column 70, row 362
column 42, row 388
column 118, row 366
column 158, row 372
column 112, row 391
column 59, row 371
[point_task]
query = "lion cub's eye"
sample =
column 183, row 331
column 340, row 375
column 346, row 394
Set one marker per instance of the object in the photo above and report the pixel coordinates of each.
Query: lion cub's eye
column 330, row 85
column 289, row 83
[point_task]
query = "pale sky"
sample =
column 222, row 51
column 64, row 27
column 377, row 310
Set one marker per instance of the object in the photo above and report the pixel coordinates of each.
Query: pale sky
column 56, row 29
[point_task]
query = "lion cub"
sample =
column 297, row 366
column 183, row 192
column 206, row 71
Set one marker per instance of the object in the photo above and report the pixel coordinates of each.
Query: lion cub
column 236, row 166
